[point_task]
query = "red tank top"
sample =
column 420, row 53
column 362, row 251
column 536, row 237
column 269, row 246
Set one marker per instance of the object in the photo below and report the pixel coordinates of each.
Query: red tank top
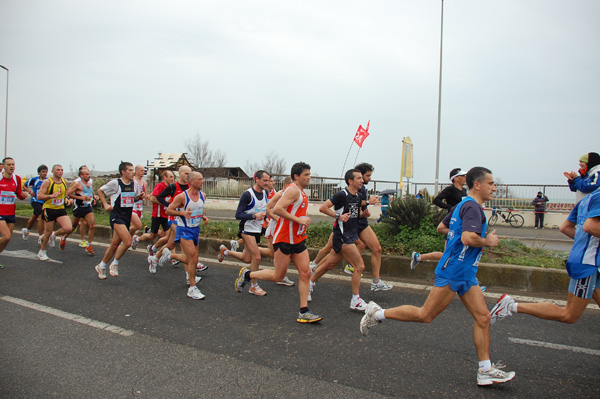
column 288, row 231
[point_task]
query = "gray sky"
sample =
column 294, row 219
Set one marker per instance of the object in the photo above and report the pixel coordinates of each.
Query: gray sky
column 97, row 82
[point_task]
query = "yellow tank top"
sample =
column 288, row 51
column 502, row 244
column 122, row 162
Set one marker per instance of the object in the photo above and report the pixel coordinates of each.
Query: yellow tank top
column 58, row 202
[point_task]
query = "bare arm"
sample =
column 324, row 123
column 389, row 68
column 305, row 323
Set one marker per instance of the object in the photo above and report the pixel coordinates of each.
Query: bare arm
column 592, row 226
column 280, row 208
column 42, row 191
column 178, row 202
column 271, row 205
column 568, row 229
column 473, row 239
column 443, row 229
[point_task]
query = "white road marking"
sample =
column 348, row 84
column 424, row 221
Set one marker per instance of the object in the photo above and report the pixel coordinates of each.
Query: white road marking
column 555, row 346
column 23, row 253
column 69, row 316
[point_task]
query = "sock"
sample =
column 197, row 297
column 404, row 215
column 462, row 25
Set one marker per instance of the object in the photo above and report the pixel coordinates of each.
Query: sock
column 226, row 252
column 485, row 365
column 253, row 285
column 115, row 262
column 26, row 229
column 355, row 297
column 380, row 315
column 304, row 309
column 513, row 307
column 247, row 277
column 187, row 276
column 102, row 265
column 153, row 248
column 376, row 280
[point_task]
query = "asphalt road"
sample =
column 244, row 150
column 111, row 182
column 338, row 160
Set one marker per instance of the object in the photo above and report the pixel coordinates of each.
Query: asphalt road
column 158, row 343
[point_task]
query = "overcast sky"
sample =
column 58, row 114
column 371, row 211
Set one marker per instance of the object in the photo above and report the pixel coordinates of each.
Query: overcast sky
column 97, row 82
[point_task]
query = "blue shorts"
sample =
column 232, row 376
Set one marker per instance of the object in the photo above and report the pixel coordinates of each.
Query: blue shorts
column 187, row 233
column 122, row 221
column 338, row 240
column 458, row 286
column 9, row 218
column 585, row 287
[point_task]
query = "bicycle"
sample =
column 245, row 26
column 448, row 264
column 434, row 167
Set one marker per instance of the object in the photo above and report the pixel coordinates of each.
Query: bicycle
column 514, row 220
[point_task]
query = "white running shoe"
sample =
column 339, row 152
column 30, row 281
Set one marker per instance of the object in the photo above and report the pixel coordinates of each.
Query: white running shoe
column 200, row 267
column 194, row 293
column 25, row 233
column 415, row 259
column 101, row 272
column 166, row 257
column 286, row 281
column 134, row 241
column 187, row 280
column 494, row 375
column 358, row 304
column 369, row 319
column 234, row 245
column 152, row 263
column 500, row 310
column 313, row 267
column 221, row 256
column 113, row 269
column 42, row 255
column 381, row 286
column 52, row 240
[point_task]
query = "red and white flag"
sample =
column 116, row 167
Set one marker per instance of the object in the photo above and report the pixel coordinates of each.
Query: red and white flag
column 361, row 134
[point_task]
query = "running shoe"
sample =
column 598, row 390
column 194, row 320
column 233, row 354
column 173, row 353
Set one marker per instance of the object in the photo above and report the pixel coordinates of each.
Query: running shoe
column 52, row 240
column 310, row 290
column 369, row 320
column 174, row 262
column 415, row 259
column 83, row 244
column 166, row 257
column 200, row 267
column 134, row 241
column 234, row 245
column 62, row 243
column 40, row 239
column 381, row 286
column 150, row 250
column 101, row 272
column 256, row 290
column 25, row 233
column 358, row 304
column 187, row 281
column 313, row 267
column 494, row 375
column 500, row 310
column 308, row 317
column 241, row 281
column 42, row 255
column 1, row 266
column 221, row 256
column 113, row 270
column 349, row 269
column 90, row 250
column 152, row 263
column 194, row 293
column 286, row 281
column 146, row 229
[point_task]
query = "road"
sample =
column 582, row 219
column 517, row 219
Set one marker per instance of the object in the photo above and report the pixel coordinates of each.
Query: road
column 64, row 333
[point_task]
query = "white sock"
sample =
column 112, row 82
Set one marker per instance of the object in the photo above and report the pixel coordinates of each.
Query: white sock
column 226, row 252
column 513, row 307
column 376, row 280
column 253, row 285
column 153, row 248
column 380, row 315
column 355, row 297
column 102, row 265
column 115, row 262
column 485, row 365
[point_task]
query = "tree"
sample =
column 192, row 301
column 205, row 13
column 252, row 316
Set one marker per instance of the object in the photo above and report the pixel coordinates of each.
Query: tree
column 272, row 163
column 201, row 156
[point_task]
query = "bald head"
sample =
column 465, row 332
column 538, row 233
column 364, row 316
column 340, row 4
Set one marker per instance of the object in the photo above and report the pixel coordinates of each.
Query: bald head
column 184, row 172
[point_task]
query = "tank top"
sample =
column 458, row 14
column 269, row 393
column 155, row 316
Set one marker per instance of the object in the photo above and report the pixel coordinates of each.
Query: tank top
column 123, row 205
column 58, row 202
column 197, row 208
column 290, row 232
column 10, row 189
column 252, row 225
column 88, row 191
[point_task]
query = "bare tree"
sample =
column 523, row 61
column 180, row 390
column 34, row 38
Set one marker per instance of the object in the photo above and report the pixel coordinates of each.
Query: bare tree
column 274, row 164
column 219, row 159
column 200, row 154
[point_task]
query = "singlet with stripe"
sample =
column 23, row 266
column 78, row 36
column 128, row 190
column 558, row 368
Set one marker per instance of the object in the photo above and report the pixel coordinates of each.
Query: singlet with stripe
column 58, row 202
column 255, row 206
column 35, row 183
column 88, row 191
column 10, row 189
column 122, row 197
column 584, row 258
column 460, row 261
column 139, row 205
column 197, row 209
column 288, row 231
column 345, row 202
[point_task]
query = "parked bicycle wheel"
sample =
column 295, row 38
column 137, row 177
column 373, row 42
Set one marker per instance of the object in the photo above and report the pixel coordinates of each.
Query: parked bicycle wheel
column 493, row 219
column 516, row 221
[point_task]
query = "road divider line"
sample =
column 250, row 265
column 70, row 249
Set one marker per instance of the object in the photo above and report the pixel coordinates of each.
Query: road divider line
column 550, row 345
column 69, row 316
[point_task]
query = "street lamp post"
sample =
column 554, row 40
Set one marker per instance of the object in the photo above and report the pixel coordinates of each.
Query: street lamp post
column 437, row 153
column 6, row 119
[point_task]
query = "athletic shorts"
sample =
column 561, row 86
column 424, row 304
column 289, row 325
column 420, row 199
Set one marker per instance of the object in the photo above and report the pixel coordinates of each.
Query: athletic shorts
column 338, row 240
column 37, row 208
column 362, row 225
column 9, row 218
column 255, row 235
column 187, row 233
column 50, row 215
column 172, row 222
column 117, row 220
column 139, row 213
column 81, row 211
column 584, row 287
column 288, row 249
column 458, row 286
column 158, row 222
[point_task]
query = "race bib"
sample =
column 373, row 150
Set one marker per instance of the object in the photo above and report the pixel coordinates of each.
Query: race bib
column 7, row 197
column 58, row 201
column 194, row 220
column 127, row 199
column 138, row 206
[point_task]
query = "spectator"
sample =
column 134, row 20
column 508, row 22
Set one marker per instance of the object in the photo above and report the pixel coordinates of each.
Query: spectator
column 420, row 195
column 589, row 175
column 539, row 204
column 452, row 194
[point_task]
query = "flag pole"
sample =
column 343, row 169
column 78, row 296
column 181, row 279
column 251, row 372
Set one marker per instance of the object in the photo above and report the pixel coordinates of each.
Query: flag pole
column 346, row 160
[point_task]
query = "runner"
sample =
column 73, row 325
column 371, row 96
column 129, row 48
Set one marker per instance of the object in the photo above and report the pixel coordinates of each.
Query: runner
column 188, row 210
column 251, row 212
column 123, row 193
column 347, row 211
column 54, row 194
column 82, row 192
column 10, row 190
column 456, row 274
column 583, row 225
column 289, row 236
column 32, row 186
column 138, row 207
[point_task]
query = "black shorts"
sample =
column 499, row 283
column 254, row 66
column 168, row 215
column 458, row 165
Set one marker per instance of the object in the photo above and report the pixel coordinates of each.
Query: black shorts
column 81, row 211
column 50, row 215
column 118, row 220
column 12, row 219
column 339, row 240
column 37, row 208
column 363, row 223
column 288, row 249
column 255, row 235
column 159, row 222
